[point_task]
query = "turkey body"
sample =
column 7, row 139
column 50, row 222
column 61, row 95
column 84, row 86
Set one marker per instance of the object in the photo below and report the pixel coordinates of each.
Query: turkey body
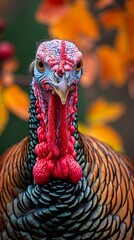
column 94, row 199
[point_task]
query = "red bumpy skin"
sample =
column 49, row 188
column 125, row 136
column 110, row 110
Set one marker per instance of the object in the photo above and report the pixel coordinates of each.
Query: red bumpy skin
column 53, row 161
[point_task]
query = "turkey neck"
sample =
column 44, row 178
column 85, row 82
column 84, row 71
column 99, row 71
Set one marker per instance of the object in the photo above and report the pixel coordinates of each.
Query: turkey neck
column 53, row 137
column 33, row 125
column 59, row 140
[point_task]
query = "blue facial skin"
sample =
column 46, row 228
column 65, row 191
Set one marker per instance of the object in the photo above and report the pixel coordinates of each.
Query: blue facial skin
column 50, row 76
column 54, row 55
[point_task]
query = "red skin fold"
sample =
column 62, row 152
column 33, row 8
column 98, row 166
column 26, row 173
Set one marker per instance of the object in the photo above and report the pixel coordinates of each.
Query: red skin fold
column 56, row 160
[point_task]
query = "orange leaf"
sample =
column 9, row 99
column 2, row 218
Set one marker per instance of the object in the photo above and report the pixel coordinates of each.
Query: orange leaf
column 112, row 66
column 104, row 133
column 102, row 111
column 115, row 19
column 130, row 6
column 129, row 19
column 51, row 12
column 3, row 114
column 112, row 18
column 17, row 101
column 103, row 3
column 78, row 20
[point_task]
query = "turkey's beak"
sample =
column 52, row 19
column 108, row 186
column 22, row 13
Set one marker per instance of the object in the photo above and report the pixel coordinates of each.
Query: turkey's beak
column 62, row 90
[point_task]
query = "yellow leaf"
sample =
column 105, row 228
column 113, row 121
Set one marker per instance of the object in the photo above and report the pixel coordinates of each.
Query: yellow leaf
column 102, row 111
column 104, row 133
column 112, row 66
column 78, row 20
column 17, row 101
column 3, row 114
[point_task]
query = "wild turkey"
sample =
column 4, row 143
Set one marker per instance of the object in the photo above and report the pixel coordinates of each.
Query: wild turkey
column 58, row 183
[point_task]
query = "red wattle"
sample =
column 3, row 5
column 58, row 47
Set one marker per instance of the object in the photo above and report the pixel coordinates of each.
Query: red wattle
column 54, row 159
column 51, row 127
column 41, row 172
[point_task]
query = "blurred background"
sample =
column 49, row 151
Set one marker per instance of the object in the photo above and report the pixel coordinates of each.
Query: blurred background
column 104, row 32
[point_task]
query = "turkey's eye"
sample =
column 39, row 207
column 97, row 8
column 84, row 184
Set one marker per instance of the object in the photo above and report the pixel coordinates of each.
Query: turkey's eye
column 40, row 65
column 79, row 66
